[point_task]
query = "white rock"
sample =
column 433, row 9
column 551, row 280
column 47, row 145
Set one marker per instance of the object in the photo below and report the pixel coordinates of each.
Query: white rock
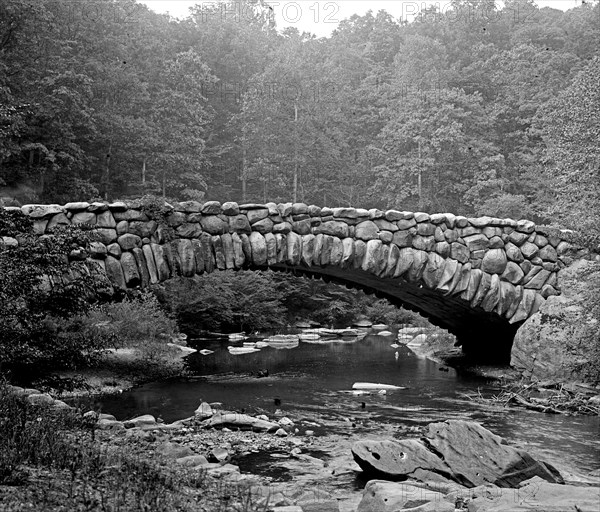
column 372, row 385
column 140, row 421
column 204, row 411
column 40, row 399
column 234, row 351
column 418, row 340
column 380, row 326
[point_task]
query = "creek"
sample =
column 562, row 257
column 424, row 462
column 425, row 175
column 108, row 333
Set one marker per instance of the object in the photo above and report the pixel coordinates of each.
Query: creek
column 314, row 382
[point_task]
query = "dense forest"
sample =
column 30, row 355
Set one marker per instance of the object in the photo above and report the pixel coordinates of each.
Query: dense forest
column 481, row 110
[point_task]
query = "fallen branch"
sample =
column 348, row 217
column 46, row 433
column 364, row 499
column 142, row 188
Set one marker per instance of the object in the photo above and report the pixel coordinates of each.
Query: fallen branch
column 536, row 407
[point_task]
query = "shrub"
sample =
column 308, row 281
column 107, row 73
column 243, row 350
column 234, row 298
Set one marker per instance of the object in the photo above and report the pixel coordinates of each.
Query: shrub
column 140, row 323
column 227, row 300
column 382, row 311
column 74, row 470
column 585, row 341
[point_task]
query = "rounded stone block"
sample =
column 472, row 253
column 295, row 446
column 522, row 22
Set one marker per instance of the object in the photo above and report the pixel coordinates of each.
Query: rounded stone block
column 214, row 225
column 425, row 229
column 424, row 243
column 114, row 272
column 130, row 214
column 402, row 239
column 230, row 208
column 302, row 227
column 259, row 248
column 144, row 229
column 299, row 209
column 366, row 231
column 211, row 208
column 386, row 225
column 406, row 223
column 105, row 220
column 494, row 261
column 104, row 235
column 60, row 219
column 122, row 227
column 513, row 273
column 84, row 218
column 294, row 248
column 41, row 211
column 333, row 228
column 434, row 270
column 257, row 215
column 371, row 260
column 150, row 264
column 97, row 250
column 129, row 241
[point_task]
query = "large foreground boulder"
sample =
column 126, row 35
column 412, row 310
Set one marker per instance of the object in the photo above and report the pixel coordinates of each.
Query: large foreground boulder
column 453, row 451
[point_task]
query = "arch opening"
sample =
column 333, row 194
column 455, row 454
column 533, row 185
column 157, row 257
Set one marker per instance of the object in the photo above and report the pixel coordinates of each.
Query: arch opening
column 484, row 337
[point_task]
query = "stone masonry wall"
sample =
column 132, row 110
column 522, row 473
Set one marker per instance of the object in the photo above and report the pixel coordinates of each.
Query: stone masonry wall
column 502, row 266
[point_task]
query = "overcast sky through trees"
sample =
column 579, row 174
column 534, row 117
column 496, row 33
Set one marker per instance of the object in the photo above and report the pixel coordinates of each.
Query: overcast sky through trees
column 321, row 17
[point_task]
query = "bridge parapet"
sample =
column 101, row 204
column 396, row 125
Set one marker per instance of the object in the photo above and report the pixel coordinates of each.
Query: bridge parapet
column 501, row 266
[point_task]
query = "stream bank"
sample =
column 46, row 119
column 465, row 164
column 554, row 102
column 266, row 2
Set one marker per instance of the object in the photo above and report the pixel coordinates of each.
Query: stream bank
column 288, row 464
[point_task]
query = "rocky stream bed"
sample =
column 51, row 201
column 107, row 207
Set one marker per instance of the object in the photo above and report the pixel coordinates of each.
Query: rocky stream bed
column 282, row 466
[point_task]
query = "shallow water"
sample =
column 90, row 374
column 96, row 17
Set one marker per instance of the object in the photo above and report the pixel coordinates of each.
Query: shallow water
column 314, row 381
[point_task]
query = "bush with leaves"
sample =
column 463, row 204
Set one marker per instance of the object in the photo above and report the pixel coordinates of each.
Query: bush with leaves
column 585, row 340
column 40, row 292
column 54, row 460
column 139, row 323
column 227, row 300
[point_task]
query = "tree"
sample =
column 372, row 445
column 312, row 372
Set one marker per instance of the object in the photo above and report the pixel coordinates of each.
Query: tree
column 437, row 138
column 39, row 291
column 570, row 125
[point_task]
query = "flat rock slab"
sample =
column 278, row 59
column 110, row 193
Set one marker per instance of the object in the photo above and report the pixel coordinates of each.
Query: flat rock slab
column 537, row 495
column 454, row 450
column 241, row 421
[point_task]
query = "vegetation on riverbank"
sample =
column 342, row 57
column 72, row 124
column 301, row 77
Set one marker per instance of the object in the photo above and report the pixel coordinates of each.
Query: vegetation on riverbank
column 55, row 460
column 586, row 337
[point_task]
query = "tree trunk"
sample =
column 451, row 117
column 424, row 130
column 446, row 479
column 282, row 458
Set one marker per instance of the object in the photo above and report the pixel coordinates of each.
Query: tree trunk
column 295, row 152
column 243, row 176
column 107, row 171
column 420, row 180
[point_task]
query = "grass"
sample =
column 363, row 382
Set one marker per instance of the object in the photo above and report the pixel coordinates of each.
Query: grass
column 56, row 460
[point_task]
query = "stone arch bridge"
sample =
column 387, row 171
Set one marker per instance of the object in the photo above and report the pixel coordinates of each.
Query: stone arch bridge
column 480, row 278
